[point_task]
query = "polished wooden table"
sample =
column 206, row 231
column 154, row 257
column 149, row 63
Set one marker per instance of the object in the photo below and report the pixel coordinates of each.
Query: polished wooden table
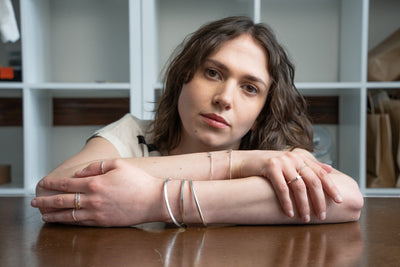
column 373, row 241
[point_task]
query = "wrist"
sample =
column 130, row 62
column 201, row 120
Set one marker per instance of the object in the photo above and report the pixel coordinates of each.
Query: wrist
column 245, row 163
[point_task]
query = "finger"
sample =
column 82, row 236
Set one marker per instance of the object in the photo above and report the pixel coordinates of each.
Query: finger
column 61, row 201
column 316, row 192
column 327, row 183
column 282, row 191
column 68, row 185
column 70, row 216
column 300, row 195
column 328, row 168
column 93, row 169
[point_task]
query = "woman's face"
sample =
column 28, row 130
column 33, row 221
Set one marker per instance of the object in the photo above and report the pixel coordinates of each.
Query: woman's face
column 222, row 101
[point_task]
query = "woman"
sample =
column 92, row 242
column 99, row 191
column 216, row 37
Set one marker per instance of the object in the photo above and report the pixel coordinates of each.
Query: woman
column 232, row 121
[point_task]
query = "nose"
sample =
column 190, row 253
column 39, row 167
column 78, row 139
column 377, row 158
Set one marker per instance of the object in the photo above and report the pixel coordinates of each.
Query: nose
column 224, row 95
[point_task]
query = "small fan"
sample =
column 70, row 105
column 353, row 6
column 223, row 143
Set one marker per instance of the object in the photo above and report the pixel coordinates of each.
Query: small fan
column 322, row 142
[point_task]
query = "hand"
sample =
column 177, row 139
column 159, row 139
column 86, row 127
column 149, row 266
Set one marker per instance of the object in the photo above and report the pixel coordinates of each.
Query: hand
column 282, row 167
column 123, row 195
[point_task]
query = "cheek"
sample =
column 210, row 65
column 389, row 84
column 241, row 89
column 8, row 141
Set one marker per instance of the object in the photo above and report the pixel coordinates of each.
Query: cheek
column 249, row 116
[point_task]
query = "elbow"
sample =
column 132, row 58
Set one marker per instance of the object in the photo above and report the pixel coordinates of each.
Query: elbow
column 353, row 202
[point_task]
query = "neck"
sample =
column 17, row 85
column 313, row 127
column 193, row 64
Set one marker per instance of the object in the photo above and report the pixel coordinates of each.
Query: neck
column 190, row 147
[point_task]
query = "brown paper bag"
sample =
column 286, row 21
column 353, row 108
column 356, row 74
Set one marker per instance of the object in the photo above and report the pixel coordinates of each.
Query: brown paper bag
column 384, row 60
column 5, row 174
column 392, row 106
column 380, row 165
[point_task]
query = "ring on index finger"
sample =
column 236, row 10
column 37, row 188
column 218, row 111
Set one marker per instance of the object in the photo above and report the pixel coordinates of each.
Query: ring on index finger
column 298, row 177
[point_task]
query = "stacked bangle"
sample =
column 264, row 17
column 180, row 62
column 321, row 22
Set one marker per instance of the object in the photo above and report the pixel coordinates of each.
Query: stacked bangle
column 182, row 205
column 171, row 215
column 167, row 204
column 197, row 203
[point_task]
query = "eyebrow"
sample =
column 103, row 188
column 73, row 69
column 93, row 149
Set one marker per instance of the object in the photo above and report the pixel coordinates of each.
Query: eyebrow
column 225, row 68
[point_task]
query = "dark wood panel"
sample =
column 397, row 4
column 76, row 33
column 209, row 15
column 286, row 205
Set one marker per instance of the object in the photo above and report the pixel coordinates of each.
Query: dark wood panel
column 323, row 109
column 10, row 111
column 102, row 111
column 88, row 111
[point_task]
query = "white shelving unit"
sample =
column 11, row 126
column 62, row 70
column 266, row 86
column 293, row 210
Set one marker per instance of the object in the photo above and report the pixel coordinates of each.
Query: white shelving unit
column 118, row 48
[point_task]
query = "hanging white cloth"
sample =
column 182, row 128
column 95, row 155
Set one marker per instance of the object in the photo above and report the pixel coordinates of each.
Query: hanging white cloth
column 8, row 24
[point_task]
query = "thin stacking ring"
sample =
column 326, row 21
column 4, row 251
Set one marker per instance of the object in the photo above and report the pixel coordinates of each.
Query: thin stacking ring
column 305, row 165
column 73, row 216
column 101, row 166
column 77, row 201
column 298, row 177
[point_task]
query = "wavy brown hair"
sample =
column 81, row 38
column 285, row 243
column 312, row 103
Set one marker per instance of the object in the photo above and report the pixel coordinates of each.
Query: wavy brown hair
column 283, row 122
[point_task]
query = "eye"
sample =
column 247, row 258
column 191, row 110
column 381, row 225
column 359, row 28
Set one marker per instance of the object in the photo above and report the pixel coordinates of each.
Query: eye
column 250, row 89
column 211, row 73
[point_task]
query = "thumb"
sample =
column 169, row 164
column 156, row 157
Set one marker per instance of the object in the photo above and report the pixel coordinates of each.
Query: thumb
column 93, row 169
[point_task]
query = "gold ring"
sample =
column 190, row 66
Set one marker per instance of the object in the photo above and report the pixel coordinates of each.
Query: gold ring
column 77, row 201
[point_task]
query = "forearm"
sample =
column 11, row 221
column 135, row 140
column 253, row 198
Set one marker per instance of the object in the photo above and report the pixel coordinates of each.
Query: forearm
column 216, row 165
column 196, row 166
column 253, row 201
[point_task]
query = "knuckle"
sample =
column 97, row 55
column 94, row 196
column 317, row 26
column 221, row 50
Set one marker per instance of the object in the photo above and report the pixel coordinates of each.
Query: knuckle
column 96, row 204
column 282, row 188
column 94, row 185
column 63, row 185
column 300, row 188
column 59, row 202
column 273, row 163
column 100, row 219
column 117, row 163
column 315, row 183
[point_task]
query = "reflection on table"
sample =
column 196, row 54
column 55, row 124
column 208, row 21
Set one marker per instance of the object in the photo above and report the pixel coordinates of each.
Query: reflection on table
column 317, row 245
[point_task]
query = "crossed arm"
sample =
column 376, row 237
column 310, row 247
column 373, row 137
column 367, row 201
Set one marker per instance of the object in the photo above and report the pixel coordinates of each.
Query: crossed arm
column 130, row 191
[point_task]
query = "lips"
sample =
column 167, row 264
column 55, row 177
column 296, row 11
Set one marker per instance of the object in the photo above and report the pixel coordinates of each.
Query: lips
column 215, row 120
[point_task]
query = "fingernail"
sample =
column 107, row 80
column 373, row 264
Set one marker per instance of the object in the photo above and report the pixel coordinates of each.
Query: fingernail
column 45, row 218
column 291, row 213
column 322, row 216
column 33, row 202
column 339, row 199
column 306, row 218
column 79, row 172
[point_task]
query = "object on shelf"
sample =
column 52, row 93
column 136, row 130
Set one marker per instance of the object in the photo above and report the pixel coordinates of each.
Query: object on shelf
column 6, row 73
column 322, row 142
column 8, row 24
column 384, row 60
column 5, row 174
column 11, row 71
column 382, row 141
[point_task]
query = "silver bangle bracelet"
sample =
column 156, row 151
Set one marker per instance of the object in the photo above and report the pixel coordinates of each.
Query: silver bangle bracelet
column 211, row 165
column 167, row 204
column 182, row 205
column 230, row 164
column 197, row 203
